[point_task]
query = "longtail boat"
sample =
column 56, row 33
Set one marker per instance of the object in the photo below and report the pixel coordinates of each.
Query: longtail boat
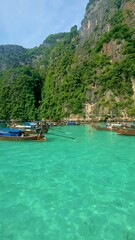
column 18, row 135
column 127, row 132
column 97, row 127
column 30, row 127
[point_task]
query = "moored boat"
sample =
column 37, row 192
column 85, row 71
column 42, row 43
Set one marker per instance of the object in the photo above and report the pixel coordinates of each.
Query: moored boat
column 109, row 126
column 101, row 128
column 30, row 127
column 128, row 132
column 15, row 134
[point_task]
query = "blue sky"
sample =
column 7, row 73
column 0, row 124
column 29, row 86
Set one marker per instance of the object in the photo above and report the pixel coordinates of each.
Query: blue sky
column 29, row 22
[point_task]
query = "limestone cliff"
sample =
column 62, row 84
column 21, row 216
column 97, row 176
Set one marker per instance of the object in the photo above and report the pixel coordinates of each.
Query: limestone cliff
column 85, row 73
column 98, row 14
column 102, row 29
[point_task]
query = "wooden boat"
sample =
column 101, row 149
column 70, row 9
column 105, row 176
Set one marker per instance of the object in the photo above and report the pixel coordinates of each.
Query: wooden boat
column 30, row 128
column 128, row 132
column 97, row 127
column 15, row 134
column 23, row 138
column 43, row 129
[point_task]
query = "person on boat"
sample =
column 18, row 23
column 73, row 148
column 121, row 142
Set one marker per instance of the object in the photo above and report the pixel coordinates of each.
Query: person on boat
column 14, row 124
column 38, row 127
column 41, row 135
column 37, row 124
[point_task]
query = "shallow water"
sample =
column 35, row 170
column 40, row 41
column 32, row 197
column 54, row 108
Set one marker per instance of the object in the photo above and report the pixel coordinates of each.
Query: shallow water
column 68, row 189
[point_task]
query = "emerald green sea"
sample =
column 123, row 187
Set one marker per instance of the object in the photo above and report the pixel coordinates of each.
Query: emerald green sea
column 68, row 189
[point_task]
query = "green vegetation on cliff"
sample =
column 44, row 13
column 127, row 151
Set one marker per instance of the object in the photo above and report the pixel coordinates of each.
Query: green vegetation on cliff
column 20, row 93
column 61, row 76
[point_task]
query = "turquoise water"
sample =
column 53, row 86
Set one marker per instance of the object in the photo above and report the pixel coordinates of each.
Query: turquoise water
column 66, row 189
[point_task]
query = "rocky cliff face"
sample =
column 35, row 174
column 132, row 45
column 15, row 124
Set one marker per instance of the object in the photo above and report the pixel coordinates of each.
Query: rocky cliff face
column 103, row 23
column 90, row 73
column 98, row 14
column 95, row 21
column 113, row 49
column 129, row 8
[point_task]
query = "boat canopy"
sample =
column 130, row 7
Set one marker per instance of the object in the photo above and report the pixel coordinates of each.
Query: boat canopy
column 30, row 124
column 10, row 130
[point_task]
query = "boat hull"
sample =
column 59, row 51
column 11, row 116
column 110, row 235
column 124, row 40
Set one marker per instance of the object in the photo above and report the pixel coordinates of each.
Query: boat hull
column 127, row 132
column 102, row 128
column 24, row 138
